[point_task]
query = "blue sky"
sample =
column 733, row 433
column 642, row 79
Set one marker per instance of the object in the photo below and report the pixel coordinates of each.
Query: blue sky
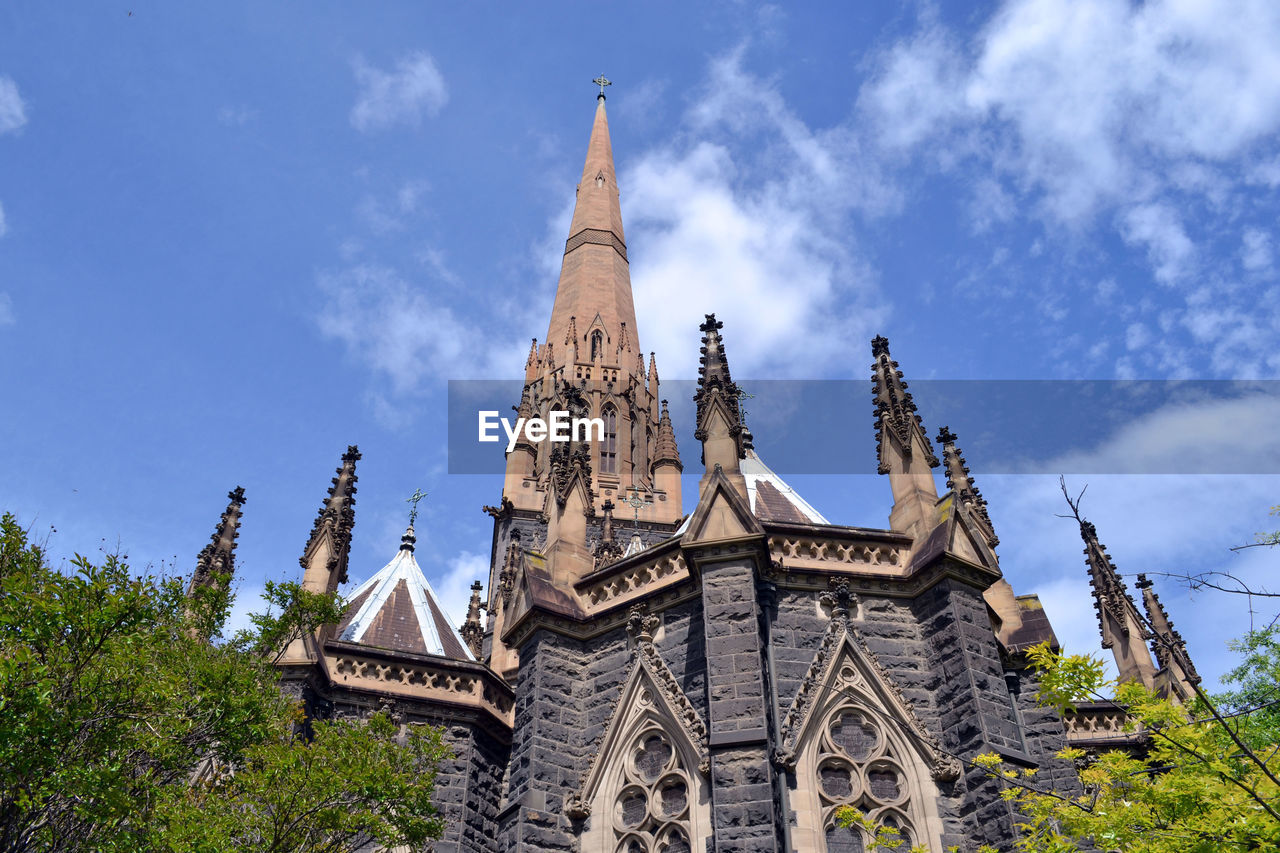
column 235, row 240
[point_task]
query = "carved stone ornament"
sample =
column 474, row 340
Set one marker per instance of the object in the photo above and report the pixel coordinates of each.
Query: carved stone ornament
column 873, row 686
column 575, row 808
column 648, row 681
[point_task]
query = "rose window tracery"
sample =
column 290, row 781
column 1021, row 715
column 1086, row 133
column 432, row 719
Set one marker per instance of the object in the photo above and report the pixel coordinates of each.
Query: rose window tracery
column 651, row 810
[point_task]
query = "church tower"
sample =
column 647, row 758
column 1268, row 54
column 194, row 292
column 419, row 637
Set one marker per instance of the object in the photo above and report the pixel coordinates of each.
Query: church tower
column 592, row 349
column 556, row 522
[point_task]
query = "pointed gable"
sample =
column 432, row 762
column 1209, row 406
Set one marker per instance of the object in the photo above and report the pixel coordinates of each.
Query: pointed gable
column 722, row 514
column 844, row 669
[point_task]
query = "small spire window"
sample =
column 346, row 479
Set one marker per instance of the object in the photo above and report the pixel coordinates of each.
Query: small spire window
column 609, row 447
column 597, row 345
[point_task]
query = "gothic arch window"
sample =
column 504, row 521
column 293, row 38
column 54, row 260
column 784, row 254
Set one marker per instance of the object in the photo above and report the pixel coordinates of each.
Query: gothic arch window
column 652, row 801
column 646, row 791
column 597, row 345
column 609, row 446
column 856, row 758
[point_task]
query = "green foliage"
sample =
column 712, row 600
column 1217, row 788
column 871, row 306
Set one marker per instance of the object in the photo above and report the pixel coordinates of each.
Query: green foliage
column 110, row 697
column 1271, row 537
column 1196, row 790
column 351, row 783
column 1065, row 679
column 875, row 836
column 1255, row 701
column 291, row 612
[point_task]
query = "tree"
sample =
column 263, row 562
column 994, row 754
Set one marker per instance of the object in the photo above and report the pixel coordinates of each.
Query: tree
column 110, row 698
column 1206, row 783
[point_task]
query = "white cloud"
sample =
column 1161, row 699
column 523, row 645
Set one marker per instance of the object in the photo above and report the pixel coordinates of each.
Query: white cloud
column 13, row 110
column 1158, row 228
column 402, row 96
column 1152, row 119
column 744, row 215
column 402, row 331
column 7, row 317
column 453, row 584
column 236, row 116
column 918, row 89
column 1210, row 436
column 1256, row 250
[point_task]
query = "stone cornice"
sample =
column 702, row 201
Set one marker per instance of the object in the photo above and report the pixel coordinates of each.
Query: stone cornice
column 427, row 678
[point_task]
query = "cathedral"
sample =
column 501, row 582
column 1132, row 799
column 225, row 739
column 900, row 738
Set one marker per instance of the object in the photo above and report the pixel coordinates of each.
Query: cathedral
column 718, row 681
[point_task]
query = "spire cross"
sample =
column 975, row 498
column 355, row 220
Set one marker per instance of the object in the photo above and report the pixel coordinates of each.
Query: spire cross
column 602, row 81
column 637, row 503
column 412, row 500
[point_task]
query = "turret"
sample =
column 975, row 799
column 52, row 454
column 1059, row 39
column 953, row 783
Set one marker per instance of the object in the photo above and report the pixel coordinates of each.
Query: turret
column 324, row 559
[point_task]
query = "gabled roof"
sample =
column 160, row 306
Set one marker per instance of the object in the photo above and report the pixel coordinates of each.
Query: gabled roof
column 772, row 499
column 397, row 609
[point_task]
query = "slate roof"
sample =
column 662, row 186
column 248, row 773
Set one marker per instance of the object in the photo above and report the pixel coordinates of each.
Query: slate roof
column 772, row 499
column 397, row 609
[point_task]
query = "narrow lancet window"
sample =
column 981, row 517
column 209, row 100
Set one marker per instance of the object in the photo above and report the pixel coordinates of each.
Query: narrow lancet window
column 609, row 447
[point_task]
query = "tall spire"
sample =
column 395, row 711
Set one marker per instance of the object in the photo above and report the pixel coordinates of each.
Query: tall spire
column 595, row 279
column 959, row 481
column 904, row 450
column 219, row 556
column 324, row 559
column 593, row 348
column 1118, row 617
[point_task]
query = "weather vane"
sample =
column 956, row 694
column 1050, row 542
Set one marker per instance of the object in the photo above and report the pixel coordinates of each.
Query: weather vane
column 412, row 500
column 602, row 81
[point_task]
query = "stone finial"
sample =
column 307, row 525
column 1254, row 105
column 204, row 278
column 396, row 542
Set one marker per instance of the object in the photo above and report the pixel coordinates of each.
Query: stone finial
column 903, row 450
column 719, row 415
column 335, row 521
column 218, row 558
column 507, row 576
column 960, row 482
column 839, row 599
column 1118, row 619
column 895, row 409
column 1170, row 648
column 607, row 550
column 472, row 631
column 665, row 450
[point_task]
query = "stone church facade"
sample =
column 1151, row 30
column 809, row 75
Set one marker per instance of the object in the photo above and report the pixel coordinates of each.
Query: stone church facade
column 721, row 681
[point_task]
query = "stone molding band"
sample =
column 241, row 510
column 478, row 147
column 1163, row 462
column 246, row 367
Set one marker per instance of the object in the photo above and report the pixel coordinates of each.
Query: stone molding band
column 598, row 237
